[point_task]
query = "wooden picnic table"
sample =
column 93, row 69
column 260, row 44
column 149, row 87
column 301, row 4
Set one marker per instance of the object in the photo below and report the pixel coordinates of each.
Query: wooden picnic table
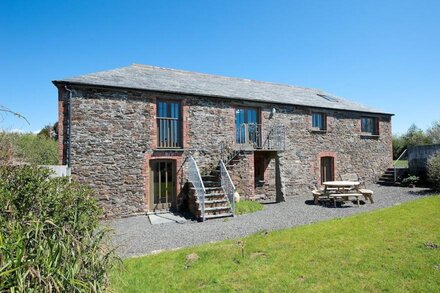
column 342, row 190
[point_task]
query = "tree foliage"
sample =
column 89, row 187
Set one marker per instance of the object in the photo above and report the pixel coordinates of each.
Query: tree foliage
column 29, row 148
column 414, row 136
column 434, row 132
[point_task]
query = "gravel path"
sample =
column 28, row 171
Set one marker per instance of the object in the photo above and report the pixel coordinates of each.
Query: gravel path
column 135, row 236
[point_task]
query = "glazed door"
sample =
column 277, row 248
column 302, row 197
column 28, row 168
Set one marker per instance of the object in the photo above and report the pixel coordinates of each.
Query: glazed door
column 246, row 125
column 163, row 185
column 327, row 169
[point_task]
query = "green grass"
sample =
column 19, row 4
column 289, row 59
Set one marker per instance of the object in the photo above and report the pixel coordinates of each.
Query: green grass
column 377, row 251
column 401, row 163
column 247, row 207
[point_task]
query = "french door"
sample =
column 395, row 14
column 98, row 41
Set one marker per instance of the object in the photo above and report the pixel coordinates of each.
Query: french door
column 248, row 129
column 163, row 185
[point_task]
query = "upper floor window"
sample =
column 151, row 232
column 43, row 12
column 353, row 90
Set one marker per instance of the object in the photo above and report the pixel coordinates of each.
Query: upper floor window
column 319, row 121
column 169, row 124
column 370, row 125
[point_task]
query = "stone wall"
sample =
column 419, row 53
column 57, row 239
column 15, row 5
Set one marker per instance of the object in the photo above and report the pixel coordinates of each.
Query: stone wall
column 114, row 139
column 110, row 133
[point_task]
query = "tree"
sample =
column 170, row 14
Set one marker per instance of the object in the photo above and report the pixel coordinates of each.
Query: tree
column 415, row 136
column 434, row 132
column 49, row 131
column 399, row 145
column 4, row 109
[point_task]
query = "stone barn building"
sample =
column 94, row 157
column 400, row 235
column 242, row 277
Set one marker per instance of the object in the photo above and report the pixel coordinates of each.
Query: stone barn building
column 138, row 134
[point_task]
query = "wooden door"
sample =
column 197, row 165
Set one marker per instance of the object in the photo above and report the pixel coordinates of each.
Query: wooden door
column 327, row 169
column 163, row 185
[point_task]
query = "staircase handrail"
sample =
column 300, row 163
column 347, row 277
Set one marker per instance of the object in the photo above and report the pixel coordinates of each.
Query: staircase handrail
column 395, row 162
column 196, row 179
column 227, row 185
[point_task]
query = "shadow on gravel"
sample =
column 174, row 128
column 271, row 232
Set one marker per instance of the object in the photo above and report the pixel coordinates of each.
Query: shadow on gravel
column 330, row 204
column 422, row 192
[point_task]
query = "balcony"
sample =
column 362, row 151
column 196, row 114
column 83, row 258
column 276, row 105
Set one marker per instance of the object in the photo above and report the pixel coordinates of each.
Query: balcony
column 169, row 134
column 252, row 136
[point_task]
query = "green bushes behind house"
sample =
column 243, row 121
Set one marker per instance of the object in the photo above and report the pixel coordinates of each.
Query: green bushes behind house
column 29, row 148
column 49, row 234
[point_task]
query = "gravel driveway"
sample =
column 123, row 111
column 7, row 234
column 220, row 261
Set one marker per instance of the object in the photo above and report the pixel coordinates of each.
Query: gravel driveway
column 135, row 236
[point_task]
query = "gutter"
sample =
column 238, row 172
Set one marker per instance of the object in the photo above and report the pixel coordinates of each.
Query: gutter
column 69, row 123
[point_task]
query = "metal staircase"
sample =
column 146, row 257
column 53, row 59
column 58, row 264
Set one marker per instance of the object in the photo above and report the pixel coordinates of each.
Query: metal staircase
column 214, row 197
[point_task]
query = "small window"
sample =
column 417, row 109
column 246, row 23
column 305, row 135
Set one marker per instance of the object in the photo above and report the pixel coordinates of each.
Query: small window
column 370, row 125
column 319, row 121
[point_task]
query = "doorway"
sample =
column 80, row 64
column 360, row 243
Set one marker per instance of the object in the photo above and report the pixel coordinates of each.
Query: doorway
column 247, row 126
column 327, row 169
column 163, row 185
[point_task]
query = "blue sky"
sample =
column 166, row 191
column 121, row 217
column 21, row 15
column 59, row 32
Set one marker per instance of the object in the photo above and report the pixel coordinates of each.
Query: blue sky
column 385, row 54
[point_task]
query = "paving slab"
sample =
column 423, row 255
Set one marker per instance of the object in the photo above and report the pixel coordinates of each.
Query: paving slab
column 165, row 218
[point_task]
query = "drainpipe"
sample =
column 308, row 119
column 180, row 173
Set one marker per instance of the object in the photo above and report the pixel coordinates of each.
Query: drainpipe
column 69, row 123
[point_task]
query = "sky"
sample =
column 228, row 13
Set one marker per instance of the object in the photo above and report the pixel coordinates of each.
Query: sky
column 384, row 54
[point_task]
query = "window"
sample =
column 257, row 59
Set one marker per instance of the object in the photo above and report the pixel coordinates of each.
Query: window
column 169, row 125
column 369, row 125
column 319, row 121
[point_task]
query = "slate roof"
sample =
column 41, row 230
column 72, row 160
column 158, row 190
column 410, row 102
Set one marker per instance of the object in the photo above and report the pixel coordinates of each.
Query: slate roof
column 160, row 79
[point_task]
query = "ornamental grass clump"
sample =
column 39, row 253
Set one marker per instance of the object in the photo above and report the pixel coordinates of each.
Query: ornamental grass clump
column 50, row 240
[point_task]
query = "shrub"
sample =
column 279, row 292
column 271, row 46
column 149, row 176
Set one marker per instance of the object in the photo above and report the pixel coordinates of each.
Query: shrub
column 433, row 166
column 49, row 234
column 28, row 148
column 411, row 180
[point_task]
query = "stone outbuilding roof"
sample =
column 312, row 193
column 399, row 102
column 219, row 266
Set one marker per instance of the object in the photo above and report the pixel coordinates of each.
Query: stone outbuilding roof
column 152, row 78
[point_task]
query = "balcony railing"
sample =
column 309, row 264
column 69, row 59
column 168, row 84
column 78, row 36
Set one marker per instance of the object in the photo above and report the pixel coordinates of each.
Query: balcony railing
column 169, row 133
column 254, row 136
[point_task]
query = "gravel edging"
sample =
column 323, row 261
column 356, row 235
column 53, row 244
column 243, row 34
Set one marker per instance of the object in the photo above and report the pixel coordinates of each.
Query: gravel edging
column 135, row 236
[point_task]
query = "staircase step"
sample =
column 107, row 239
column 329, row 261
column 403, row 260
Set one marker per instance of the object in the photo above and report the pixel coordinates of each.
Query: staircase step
column 208, row 189
column 219, row 194
column 215, row 209
column 207, row 217
column 214, row 201
column 211, row 184
column 209, row 178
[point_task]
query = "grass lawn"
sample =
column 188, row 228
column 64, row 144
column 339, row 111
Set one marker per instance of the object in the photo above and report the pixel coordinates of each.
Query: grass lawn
column 378, row 251
column 247, row 207
column 401, row 164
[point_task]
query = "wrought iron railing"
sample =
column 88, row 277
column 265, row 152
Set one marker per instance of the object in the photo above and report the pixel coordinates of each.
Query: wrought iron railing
column 252, row 135
column 196, row 180
column 227, row 185
column 169, row 132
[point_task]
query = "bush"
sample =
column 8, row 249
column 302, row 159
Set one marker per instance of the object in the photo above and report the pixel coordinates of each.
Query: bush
column 28, row 148
column 411, row 180
column 36, row 149
column 49, row 235
column 433, row 166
